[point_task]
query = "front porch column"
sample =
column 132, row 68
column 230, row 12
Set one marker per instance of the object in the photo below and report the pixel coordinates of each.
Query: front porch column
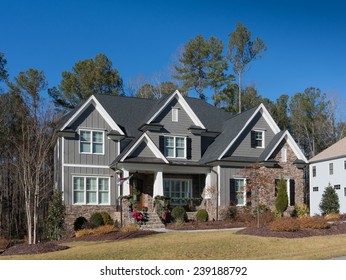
column 208, row 186
column 158, row 184
column 126, row 185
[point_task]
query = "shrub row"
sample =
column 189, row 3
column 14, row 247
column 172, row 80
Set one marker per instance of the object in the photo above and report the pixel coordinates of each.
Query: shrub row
column 294, row 224
column 97, row 219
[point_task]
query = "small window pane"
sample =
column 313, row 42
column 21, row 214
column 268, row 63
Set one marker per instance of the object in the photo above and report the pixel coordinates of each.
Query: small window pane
column 103, row 198
column 85, row 135
column 91, row 198
column 98, row 136
column 85, row 147
column 91, row 184
column 180, row 153
column 78, row 197
column 103, row 184
column 97, row 148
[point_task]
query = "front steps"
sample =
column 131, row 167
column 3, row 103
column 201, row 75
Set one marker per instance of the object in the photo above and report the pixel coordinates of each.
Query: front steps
column 153, row 222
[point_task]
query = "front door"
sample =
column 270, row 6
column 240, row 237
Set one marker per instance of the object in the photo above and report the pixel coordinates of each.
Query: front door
column 137, row 192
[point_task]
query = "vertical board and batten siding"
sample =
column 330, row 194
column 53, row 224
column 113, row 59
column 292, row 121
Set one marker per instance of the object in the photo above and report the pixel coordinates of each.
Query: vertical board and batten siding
column 142, row 151
column 179, row 128
column 243, row 148
column 90, row 119
column 226, row 173
column 70, row 172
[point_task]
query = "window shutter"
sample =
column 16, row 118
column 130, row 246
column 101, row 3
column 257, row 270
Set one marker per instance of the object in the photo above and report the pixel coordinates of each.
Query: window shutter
column 233, row 194
column 162, row 144
column 292, row 192
column 253, row 139
column 248, row 198
column 188, row 148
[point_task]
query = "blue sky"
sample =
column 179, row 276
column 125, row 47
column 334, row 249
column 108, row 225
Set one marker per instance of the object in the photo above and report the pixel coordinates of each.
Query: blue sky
column 305, row 39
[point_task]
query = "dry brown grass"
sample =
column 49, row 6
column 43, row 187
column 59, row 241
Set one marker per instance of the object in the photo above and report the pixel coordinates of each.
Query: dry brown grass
column 98, row 230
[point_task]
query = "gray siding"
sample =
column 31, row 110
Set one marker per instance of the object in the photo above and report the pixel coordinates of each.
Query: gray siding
column 177, row 128
column 69, row 172
column 242, row 147
column 226, row 173
column 90, row 119
column 142, row 151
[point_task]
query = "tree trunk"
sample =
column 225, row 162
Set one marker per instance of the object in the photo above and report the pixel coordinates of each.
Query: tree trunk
column 239, row 92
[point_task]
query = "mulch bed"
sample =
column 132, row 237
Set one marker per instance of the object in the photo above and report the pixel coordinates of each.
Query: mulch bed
column 45, row 247
column 51, row 246
column 266, row 232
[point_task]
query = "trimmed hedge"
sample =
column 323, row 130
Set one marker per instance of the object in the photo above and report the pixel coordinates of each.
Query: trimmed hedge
column 202, row 215
column 179, row 214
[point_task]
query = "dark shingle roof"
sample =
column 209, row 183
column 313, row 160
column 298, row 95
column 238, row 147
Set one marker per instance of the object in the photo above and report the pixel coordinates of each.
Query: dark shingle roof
column 271, row 145
column 230, row 130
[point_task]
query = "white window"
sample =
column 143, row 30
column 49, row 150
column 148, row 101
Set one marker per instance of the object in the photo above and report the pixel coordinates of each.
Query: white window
column 176, row 189
column 175, row 147
column 337, row 187
column 315, row 189
column 314, row 171
column 238, row 192
column 331, row 168
column 284, row 154
column 91, row 190
column 91, row 142
column 175, row 114
column 257, row 139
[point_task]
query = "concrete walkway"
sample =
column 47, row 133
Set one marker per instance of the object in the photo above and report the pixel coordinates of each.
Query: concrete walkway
column 195, row 230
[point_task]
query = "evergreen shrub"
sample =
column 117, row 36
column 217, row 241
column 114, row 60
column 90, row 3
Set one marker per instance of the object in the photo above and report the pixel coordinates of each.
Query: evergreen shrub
column 80, row 223
column 202, row 215
column 179, row 214
column 281, row 202
column 232, row 212
column 330, row 201
column 96, row 220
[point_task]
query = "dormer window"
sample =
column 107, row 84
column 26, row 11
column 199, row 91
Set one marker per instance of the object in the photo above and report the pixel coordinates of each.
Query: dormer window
column 175, row 147
column 91, row 142
column 175, row 115
column 257, row 139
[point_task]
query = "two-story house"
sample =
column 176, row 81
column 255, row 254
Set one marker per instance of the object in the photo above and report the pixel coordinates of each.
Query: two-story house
column 328, row 168
column 176, row 147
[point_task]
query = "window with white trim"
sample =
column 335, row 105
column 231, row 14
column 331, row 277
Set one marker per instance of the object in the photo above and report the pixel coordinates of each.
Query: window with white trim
column 175, row 146
column 175, row 115
column 257, row 139
column 238, row 191
column 91, row 190
column 337, row 187
column 315, row 189
column 91, row 142
column 177, row 188
column 284, row 154
column 331, row 168
column 314, row 171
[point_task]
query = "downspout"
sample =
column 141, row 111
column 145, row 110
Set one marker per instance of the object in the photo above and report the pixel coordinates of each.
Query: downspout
column 217, row 193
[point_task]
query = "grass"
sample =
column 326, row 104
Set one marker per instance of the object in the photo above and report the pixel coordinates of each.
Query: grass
column 199, row 245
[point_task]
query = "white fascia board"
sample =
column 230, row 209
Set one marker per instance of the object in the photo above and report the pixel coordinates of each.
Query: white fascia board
column 151, row 146
column 185, row 106
column 265, row 115
column 92, row 100
column 297, row 151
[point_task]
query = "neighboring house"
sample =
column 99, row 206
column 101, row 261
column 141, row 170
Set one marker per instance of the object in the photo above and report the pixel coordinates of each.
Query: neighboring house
column 176, row 147
column 328, row 167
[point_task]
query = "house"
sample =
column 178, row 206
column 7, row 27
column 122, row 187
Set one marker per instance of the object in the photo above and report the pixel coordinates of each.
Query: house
column 328, row 167
column 177, row 147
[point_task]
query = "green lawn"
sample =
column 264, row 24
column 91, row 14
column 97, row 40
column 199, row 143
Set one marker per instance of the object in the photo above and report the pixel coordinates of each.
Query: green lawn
column 200, row 245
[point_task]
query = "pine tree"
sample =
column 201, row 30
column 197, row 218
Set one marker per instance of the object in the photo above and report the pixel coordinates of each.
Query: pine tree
column 281, row 202
column 56, row 217
column 330, row 201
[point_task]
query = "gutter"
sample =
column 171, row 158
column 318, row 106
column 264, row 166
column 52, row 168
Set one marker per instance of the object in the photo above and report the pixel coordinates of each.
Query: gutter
column 217, row 193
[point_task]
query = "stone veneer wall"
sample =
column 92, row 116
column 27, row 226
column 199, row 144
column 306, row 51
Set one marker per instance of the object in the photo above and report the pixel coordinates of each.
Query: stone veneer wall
column 75, row 211
column 267, row 193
